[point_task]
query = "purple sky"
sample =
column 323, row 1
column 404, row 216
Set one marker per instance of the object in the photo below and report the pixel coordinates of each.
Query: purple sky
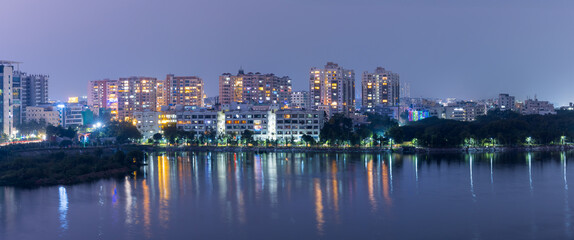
column 459, row 48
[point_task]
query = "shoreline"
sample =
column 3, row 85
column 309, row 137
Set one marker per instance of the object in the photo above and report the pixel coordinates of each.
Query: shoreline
column 34, row 158
column 403, row 150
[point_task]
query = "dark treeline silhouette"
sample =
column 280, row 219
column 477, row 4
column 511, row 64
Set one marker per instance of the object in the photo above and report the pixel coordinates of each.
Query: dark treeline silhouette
column 340, row 130
column 497, row 128
column 65, row 168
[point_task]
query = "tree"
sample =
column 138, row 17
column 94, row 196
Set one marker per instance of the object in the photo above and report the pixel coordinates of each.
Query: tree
column 125, row 132
column 247, row 136
column 157, row 137
column 59, row 131
column 170, row 132
column 32, row 127
column 309, row 139
column 337, row 130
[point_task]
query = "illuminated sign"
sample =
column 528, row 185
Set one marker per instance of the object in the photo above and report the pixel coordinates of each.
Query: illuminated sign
column 73, row 100
column 416, row 115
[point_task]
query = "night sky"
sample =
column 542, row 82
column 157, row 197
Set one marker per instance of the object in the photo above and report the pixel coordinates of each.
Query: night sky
column 463, row 49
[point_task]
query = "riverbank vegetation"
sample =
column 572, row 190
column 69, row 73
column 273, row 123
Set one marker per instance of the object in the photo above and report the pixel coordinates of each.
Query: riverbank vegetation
column 65, row 168
column 497, row 128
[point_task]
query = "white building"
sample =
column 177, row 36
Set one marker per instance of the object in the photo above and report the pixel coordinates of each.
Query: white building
column 531, row 106
column 48, row 114
column 464, row 111
column 148, row 123
column 267, row 123
column 300, row 99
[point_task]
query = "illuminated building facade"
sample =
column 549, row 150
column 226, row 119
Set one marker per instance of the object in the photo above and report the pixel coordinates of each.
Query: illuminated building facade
column 183, row 90
column 268, row 124
column 294, row 123
column 199, row 121
column 160, row 94
column 103, row 94
column 147, row 122
column 381, row 87
column 334, row 87
column 300, row 99
column 136, row 94
column 254, row 88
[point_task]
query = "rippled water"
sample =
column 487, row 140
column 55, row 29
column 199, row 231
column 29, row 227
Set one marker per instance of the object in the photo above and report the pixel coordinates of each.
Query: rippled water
column 307, row 196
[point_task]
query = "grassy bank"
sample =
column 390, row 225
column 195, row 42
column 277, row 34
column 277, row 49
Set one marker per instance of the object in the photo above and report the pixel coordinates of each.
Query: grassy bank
column 65, row 168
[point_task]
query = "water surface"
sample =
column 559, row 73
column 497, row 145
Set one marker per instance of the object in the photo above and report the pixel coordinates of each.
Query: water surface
column 307, row 196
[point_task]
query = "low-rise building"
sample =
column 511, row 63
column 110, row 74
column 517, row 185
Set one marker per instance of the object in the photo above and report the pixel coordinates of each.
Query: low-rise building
column 506, row 102
column 533, row 106
column 570, row 107
column 200, row 121
column 47, row 114
column 147, row 122
column 464, row 111
column 70, row 115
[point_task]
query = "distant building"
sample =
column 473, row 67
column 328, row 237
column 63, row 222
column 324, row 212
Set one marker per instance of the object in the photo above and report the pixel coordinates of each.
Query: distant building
column 103, row 95
column 464, row 111
column 182, row 90
column 381, row 87
column 533, row 106
column 405, row 90
column 570, row 107
column 6, row 106
column 506, row 102
column 136, row 94
column 46, row 113
column 300, row 99
column 332, row 87
column 254, row 88
column 70, row 114
column 28, row 90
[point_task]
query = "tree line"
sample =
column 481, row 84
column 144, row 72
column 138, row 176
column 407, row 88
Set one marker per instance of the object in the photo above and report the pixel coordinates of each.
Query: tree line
column 497, row 128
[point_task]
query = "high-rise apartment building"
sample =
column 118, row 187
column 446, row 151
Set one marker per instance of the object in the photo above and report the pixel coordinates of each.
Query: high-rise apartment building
column 183, row 90
column 332, row 87
column 28, row 90
column 6, row 106
column 136, row 94
column 254, row 88
column 103, row 94
column 160, row 94
column 381, row 87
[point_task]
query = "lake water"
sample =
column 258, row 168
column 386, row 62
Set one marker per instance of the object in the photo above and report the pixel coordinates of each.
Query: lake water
column 307, row 196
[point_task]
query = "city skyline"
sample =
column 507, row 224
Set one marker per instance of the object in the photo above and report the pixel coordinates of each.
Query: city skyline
column 446, row 49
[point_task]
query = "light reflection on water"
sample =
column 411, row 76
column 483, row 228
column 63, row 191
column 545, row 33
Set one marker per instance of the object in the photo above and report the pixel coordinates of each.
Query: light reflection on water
column 63, row 208
column 291, row 195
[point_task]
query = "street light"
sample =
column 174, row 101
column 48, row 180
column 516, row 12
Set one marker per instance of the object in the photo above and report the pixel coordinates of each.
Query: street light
column 529, row 141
